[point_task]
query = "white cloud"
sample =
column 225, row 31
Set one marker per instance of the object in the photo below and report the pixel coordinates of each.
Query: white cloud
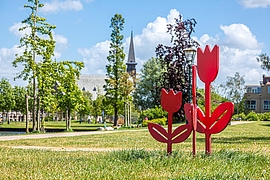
column 238, row 51
column 240, row 36
column 15, row 30
column 61, row 41
column 57, row 5
column 95, row 58
column 255, row 3
column 7, row 56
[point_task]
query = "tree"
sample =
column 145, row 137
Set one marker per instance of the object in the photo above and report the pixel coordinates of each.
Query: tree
column 147, row 92
column 216, row 98
column 265, row 61
column 69, row 95
column 97, row 105
column 19, row 96
column 85, row 108
column 46, row 74
column 39, row 43
column 116, row 67
column 177, row 76
column 7, row 101
column 234, row 89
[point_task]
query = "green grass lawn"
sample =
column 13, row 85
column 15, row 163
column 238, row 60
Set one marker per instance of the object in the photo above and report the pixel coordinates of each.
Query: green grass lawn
column 239, row 152
column 75, row 125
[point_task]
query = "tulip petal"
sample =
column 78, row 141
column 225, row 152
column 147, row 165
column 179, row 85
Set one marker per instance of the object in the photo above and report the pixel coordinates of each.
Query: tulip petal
column 200, row 122
column 170, row 101
column 208, row 63
column 222, row 115
column 158, row 132
column 181, row 133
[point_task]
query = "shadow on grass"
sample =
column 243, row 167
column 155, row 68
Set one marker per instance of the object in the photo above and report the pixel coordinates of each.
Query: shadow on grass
column 242, row 140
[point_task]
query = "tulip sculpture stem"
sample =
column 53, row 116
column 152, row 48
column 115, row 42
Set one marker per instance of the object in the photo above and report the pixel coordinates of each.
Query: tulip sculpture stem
column 208, row 116
column 169, row 145
column 216, row 121
column 194, row 110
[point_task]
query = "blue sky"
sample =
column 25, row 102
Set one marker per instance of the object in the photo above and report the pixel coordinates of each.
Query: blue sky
column 240, row 27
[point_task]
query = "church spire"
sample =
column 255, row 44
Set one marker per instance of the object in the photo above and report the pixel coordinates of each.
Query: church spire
column 131, row 63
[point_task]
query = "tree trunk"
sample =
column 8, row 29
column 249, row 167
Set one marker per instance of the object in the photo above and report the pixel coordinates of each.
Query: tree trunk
column 7, row 118
column 26, row 119
column 34, row 106
column 38, row 114
column 115, row 116
column 69, row 121
column 67, row 127
column 34, row 74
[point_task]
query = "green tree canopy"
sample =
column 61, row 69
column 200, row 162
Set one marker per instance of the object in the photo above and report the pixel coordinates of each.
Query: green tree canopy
column 38, row 46
column 147, row 92
column 7, row 101
column 19, row 96
column 234, row 89
column 265, row 61
column 115, row 67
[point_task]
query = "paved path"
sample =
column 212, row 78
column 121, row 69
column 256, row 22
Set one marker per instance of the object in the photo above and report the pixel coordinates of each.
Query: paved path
column 69, row 134
column 50, row 135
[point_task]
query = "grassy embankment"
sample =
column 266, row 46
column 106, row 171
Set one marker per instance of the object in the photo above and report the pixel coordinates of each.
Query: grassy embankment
column 239, row 152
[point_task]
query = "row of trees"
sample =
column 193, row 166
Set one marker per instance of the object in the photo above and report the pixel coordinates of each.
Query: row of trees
column 53, row 83
column 11, row 98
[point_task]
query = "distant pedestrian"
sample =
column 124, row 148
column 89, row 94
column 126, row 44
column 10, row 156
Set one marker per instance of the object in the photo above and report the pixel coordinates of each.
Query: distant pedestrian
column 89, row 119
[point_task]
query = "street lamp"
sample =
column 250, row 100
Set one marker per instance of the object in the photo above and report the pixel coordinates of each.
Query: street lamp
column 190, row 55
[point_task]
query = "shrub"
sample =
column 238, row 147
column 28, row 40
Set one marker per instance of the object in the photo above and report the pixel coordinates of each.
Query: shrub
column 252, row 116
column 265, row 116
column 160, row 121
column 239, row 117
column 154, row 113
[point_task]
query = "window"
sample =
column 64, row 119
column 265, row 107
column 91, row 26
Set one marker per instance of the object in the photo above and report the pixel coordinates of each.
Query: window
column 255, row 90
column 266, row 105
column 251, row 104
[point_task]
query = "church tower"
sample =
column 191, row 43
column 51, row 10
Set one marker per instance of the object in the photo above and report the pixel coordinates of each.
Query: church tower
column 131, row 64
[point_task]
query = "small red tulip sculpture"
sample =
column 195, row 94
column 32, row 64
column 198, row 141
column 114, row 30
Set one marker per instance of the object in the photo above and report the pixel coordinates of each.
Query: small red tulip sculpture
column 171, row 103
column 208, row 67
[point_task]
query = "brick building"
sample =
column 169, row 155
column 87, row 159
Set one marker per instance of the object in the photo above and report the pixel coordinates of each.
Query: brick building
column 257, row 97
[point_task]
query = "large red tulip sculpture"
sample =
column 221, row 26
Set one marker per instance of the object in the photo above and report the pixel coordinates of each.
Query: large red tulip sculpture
column 208, row 67
column 171, row 103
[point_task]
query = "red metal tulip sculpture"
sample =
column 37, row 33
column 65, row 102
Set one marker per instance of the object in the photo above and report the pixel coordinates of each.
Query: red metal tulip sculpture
column 171, row 103
column 208, row 67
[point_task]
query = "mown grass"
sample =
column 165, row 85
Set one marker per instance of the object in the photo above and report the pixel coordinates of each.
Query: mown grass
column 75, row 125
column 239, row 152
